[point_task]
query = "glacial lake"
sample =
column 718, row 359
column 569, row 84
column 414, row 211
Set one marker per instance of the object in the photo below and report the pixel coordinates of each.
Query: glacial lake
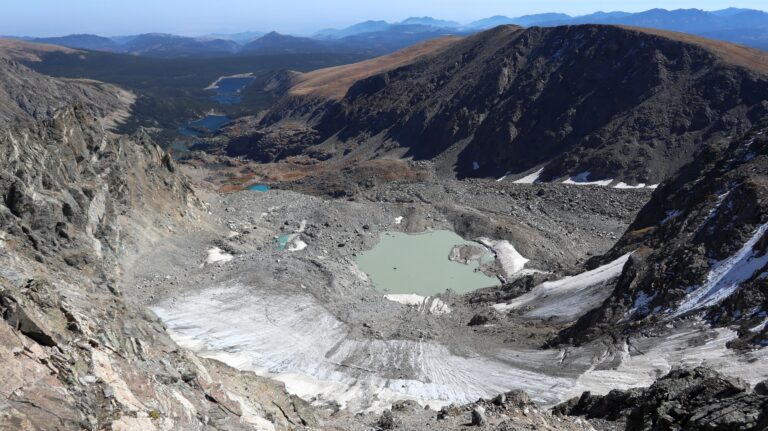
column 228, row 89
column 404, row 263
column 195, row 129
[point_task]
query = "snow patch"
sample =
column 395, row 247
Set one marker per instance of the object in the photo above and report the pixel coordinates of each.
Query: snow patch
column 716, row 208
column 582, row 179
column 683, row 349
column 530, row 178
column 623, row 185
column 509, row 258
column 427, row 304
column 726, row 276
column 293, row 241
column 568, row 298
column 760, row 327
column 217, row 255
column 296, row 245
column 399, row 220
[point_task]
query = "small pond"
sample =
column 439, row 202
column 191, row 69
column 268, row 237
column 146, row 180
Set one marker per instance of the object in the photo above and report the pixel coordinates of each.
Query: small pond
column 259, row 188
column 402, row 263
column 282, row 241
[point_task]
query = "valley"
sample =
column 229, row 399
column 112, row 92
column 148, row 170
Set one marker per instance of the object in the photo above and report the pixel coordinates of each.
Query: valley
column 168, row 95
column 313, row 319
column 552, row 227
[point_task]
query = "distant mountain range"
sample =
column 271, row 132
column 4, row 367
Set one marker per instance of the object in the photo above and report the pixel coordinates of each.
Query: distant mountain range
column 744, row 26
column 241, row 38
column 82, row 41
column 150, row 44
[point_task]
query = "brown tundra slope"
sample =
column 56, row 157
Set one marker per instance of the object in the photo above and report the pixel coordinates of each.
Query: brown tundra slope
column 621, row 103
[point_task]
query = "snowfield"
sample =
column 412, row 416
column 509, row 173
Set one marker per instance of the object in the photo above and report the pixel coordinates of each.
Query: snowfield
column 531, row 178
column 726, row 276
column 569, row 298
column 293, row 339
column 582, row 179
column 217, row 255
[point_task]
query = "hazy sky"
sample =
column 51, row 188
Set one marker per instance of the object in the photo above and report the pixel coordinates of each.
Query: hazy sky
column 197, row 17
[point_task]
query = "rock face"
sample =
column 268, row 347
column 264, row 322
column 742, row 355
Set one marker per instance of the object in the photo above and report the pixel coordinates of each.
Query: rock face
column 387, row 421
column 510, row 411
column 614, row 102
column 478, row 417
column 701, row 246
column 698, row 399
column 76, row 201
column 28, row 96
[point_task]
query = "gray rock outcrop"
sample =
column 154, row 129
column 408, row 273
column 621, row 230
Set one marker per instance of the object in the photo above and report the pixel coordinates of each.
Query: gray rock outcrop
column 697, row 399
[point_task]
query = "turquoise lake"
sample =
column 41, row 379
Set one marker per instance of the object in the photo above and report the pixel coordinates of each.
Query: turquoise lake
column 259, row 188
column 403, row 263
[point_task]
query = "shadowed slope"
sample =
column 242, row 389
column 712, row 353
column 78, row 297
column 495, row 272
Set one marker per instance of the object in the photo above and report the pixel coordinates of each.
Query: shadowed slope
column 592, row 101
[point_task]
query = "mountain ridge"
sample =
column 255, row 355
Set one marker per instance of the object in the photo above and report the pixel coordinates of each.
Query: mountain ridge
column 699, row 248
column 482, row 114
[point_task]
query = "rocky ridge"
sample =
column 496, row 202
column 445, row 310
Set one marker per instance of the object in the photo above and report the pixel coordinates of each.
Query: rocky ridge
column 78, row 201
column 700, row 247
column 26, row 96
column 697, row 399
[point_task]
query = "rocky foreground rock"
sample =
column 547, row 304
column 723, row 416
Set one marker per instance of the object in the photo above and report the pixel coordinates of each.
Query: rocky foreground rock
column 697, row 399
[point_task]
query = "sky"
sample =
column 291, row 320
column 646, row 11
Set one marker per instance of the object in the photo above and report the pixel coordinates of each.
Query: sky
column 300, row 17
